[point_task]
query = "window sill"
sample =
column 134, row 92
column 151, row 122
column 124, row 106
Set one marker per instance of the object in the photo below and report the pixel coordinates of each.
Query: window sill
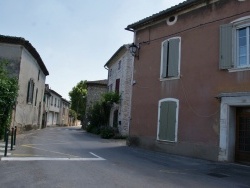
column 239, row 69
column 166, row 142
column 170, row 78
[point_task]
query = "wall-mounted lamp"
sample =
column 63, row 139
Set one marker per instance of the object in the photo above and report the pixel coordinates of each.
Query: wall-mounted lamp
column 134, row 50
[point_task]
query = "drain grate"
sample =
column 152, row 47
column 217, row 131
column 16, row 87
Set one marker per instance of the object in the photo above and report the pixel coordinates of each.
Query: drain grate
column 218, row 175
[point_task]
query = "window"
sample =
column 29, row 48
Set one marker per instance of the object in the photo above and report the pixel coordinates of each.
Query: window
column 119, row 65
column 170, row 58
column 117, row 86
column 110, row 87
column 55, row 102
column 36, row 96
column 235, row 44
column 38, row 77
column 51, row 101
column 30, row 93
column 168, row 120
column 110, row 72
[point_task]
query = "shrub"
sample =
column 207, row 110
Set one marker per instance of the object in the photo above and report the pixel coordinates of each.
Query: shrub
column 93, row 129
column 107, row 132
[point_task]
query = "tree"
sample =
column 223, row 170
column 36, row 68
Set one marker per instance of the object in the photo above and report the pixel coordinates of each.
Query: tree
column 8, row 95
column 78, row 99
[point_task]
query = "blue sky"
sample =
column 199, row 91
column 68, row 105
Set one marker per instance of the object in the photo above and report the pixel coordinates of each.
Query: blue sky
column 75, row 38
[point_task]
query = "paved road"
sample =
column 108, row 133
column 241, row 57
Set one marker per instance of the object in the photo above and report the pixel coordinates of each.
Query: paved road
column 70, row 157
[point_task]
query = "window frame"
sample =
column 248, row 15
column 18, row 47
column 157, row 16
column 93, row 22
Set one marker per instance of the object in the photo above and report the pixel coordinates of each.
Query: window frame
column 236, row 28
column 30, row 91
column 162, row 57
column 235, row 25
column 176, row 123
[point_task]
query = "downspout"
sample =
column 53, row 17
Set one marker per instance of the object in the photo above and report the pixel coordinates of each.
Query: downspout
column 132, row 81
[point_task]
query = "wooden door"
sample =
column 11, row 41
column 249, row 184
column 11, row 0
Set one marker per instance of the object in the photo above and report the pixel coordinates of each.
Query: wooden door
column 242, row 149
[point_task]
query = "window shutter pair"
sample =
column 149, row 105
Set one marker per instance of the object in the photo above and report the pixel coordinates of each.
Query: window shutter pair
column 167, row 121
column 170, row 58
column 226, row 53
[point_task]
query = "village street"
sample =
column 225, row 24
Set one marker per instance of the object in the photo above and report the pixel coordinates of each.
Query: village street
column 70, row 157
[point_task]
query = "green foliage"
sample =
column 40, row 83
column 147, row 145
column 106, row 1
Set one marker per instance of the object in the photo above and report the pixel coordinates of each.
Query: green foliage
column 78, row 99
column 111, row 97
column 8, row 95
column 107, row 132
column 93, row 129
column 73, row 114
column 98, row 115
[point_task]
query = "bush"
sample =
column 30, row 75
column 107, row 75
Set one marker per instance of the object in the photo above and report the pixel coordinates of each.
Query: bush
column 93, row 129
column 107, row 132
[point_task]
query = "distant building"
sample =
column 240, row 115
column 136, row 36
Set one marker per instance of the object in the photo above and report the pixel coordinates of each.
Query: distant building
column 95, row 90
column 46, row 105
column 26, row 64
column 64, row 113
column 54, row 109
column 120, row 67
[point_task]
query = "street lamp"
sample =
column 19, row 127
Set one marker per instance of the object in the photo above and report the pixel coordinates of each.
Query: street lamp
column 134, row 50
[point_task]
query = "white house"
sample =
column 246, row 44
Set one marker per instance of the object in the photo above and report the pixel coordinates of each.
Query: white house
column 26, row 64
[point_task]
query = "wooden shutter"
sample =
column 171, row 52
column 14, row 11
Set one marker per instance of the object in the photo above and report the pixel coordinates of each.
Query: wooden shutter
column 226, row 60
column 174, row 56
column 164, row 62
column 117, row 86
column 167, row 121
column 28, row 92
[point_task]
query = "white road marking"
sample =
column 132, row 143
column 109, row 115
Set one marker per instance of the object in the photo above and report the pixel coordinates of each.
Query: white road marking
column 2, row 153
column 98, row 158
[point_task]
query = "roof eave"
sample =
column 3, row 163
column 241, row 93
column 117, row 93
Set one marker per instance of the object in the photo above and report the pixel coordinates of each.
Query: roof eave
column 162, row 15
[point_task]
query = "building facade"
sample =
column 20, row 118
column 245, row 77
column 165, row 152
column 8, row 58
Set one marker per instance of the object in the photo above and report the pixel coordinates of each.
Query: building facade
column 120, row 67
column 64, row 113
column 192, row 80
column 53, row 118
column 26, row 64
column 95, row 90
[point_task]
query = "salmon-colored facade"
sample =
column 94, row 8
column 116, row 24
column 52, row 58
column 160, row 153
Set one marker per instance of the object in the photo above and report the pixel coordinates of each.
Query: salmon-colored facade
column 208, row 96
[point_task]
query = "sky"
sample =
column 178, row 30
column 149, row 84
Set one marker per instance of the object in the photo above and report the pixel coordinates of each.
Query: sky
column 75, row 38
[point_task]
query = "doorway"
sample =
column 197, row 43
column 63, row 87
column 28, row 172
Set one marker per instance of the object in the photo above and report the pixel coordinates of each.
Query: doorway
column 242, row 142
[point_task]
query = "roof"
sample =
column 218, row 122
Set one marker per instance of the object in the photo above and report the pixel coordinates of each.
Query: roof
column 123, row 47
column 28, row 46
column 161, row 15
column 97, row 82
column 64, row 100
column 52, row 91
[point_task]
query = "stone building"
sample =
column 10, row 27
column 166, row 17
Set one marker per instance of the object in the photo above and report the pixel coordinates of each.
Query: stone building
column 120, row 67
column 26, row 64
column 95, row 89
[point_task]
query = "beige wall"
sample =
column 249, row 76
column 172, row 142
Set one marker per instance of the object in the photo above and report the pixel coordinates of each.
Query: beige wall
column 27, row 115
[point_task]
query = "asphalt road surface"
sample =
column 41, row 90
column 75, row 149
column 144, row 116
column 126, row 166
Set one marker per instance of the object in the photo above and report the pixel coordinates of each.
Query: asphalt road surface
column 68, row 157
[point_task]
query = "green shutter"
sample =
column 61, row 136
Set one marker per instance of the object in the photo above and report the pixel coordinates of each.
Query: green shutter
column 164, row 59
column 226, row 60
column 167, row 121
column 174, row 56
column 171, row 120
column 163, row 121
column 28, row 92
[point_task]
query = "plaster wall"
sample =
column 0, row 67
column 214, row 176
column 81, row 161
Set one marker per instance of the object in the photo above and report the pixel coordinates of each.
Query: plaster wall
column 29, row 115
column 199, row 83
